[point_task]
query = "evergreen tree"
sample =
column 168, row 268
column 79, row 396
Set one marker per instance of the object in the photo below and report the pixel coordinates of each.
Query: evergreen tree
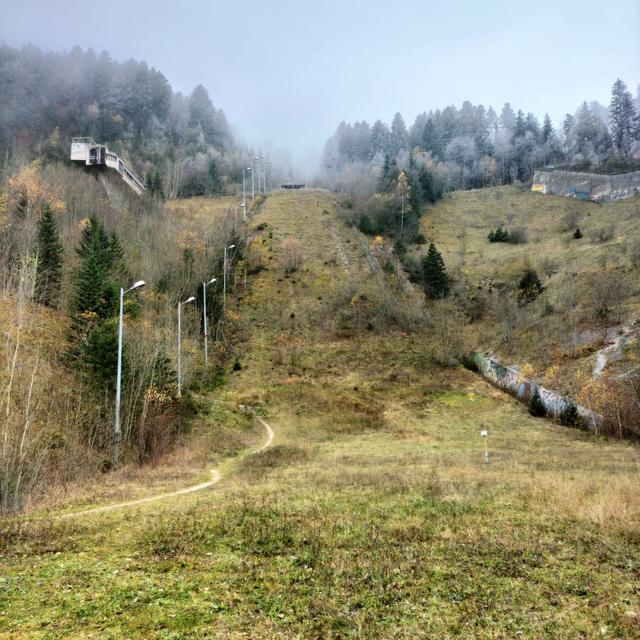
column 430, row 140
column 536, row 406
column 94, row 331
column 520, row 125
column 577, row 233
column 95, row 294
column 498, row 235
column 434, row 274
column 388, row 175
column 50, row 256
column 622, row 116
column 399, row 135
column 426, row 184
column 547, row 128
column 529, row 286
column 214, row 177
column 569, row 416
column 100, row 353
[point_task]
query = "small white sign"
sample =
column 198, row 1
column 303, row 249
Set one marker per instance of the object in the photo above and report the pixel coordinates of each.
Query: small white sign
column 484, row 433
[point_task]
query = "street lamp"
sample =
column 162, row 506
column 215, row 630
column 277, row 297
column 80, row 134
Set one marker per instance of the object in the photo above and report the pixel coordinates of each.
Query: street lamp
column 224, row 278
column 189, row 300
column 253, row 184
column 117, row 431
column 244, row 187
column 206, row 324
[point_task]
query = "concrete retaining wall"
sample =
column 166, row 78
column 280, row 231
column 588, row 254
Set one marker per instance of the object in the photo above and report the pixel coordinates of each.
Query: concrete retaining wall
column 587, row 186
column 510, row 380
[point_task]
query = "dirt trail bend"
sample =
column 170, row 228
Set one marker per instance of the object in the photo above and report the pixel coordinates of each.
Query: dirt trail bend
column 215, row 478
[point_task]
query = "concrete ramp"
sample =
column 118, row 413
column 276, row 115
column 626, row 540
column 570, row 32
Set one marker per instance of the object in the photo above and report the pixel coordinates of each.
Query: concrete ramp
column 87, row 152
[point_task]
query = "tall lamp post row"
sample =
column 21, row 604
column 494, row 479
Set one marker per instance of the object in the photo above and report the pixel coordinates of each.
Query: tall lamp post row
column 260, row 165
column 117, row 429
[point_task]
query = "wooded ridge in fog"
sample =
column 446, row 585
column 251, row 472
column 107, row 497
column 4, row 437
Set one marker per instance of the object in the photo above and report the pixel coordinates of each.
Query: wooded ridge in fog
column 474, row 146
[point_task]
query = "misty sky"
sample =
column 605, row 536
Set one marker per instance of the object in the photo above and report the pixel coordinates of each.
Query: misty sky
column 291, row 71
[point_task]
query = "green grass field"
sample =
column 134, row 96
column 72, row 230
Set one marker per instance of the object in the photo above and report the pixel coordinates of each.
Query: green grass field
column 373, row 515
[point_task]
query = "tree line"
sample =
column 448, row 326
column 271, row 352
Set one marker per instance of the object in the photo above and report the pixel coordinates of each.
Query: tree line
column 473, row 146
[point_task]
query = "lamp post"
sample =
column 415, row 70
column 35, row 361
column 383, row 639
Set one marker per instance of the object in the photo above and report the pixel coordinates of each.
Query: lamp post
column 224, row 278
column 260, row 174
column 117, row 431
column 244, row 187
column 205, row 320
column 189, row 300
column 253, row 183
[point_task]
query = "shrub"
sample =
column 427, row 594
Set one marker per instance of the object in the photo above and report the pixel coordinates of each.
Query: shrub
column 499, row 235
column 517, row 236
column 364, row 224
column 577, row 234
column 420, row 239
column 603, row 234
column 536, row 406
column 569, row 416
column 529, row 287
column 291, row 255
column 549, row 266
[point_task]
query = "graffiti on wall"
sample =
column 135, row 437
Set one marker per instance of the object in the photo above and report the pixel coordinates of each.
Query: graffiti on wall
column 512, row 381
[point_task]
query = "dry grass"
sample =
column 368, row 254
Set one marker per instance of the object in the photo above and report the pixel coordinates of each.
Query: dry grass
column 385, row 527
column 550, row 332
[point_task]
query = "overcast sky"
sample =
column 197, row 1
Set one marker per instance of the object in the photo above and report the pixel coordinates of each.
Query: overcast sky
column 291, row 71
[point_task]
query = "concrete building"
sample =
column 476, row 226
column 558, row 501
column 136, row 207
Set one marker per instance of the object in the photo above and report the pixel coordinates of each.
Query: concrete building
column 87, row 152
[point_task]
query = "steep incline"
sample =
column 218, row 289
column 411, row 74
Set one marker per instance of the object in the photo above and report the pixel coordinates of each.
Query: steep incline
column 373, row 514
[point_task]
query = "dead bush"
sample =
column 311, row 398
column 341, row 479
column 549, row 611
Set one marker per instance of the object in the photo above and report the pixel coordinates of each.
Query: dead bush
column 446, row 325
column 517, row 235
column 603, row 234
column 291, row 255
column 633, row 250
column 549, row 266
column 607, row 295
column 618, row 401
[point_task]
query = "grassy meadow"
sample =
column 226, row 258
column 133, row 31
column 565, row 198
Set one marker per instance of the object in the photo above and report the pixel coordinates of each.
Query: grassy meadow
column 373, row 514
column 584, row 279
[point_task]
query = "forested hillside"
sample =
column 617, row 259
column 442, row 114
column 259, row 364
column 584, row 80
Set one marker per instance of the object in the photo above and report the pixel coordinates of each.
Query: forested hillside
column 182, row 145
column 473, row 146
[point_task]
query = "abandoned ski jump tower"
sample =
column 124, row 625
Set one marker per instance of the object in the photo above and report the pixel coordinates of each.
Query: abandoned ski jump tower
column 87, row 152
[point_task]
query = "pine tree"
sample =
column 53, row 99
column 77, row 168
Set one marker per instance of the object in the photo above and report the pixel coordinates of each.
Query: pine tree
column 569, row 416
column 388, row 175
column 622, row 116
column 426, row 185
column 547, row 128
column 577, row 233
column 214, row 176
column 50, row 256
column 434, row 274
column 529, row 287
column 536, row 406
column 94, row 330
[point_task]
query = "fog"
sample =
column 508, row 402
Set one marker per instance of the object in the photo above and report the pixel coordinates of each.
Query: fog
column 286, row 73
